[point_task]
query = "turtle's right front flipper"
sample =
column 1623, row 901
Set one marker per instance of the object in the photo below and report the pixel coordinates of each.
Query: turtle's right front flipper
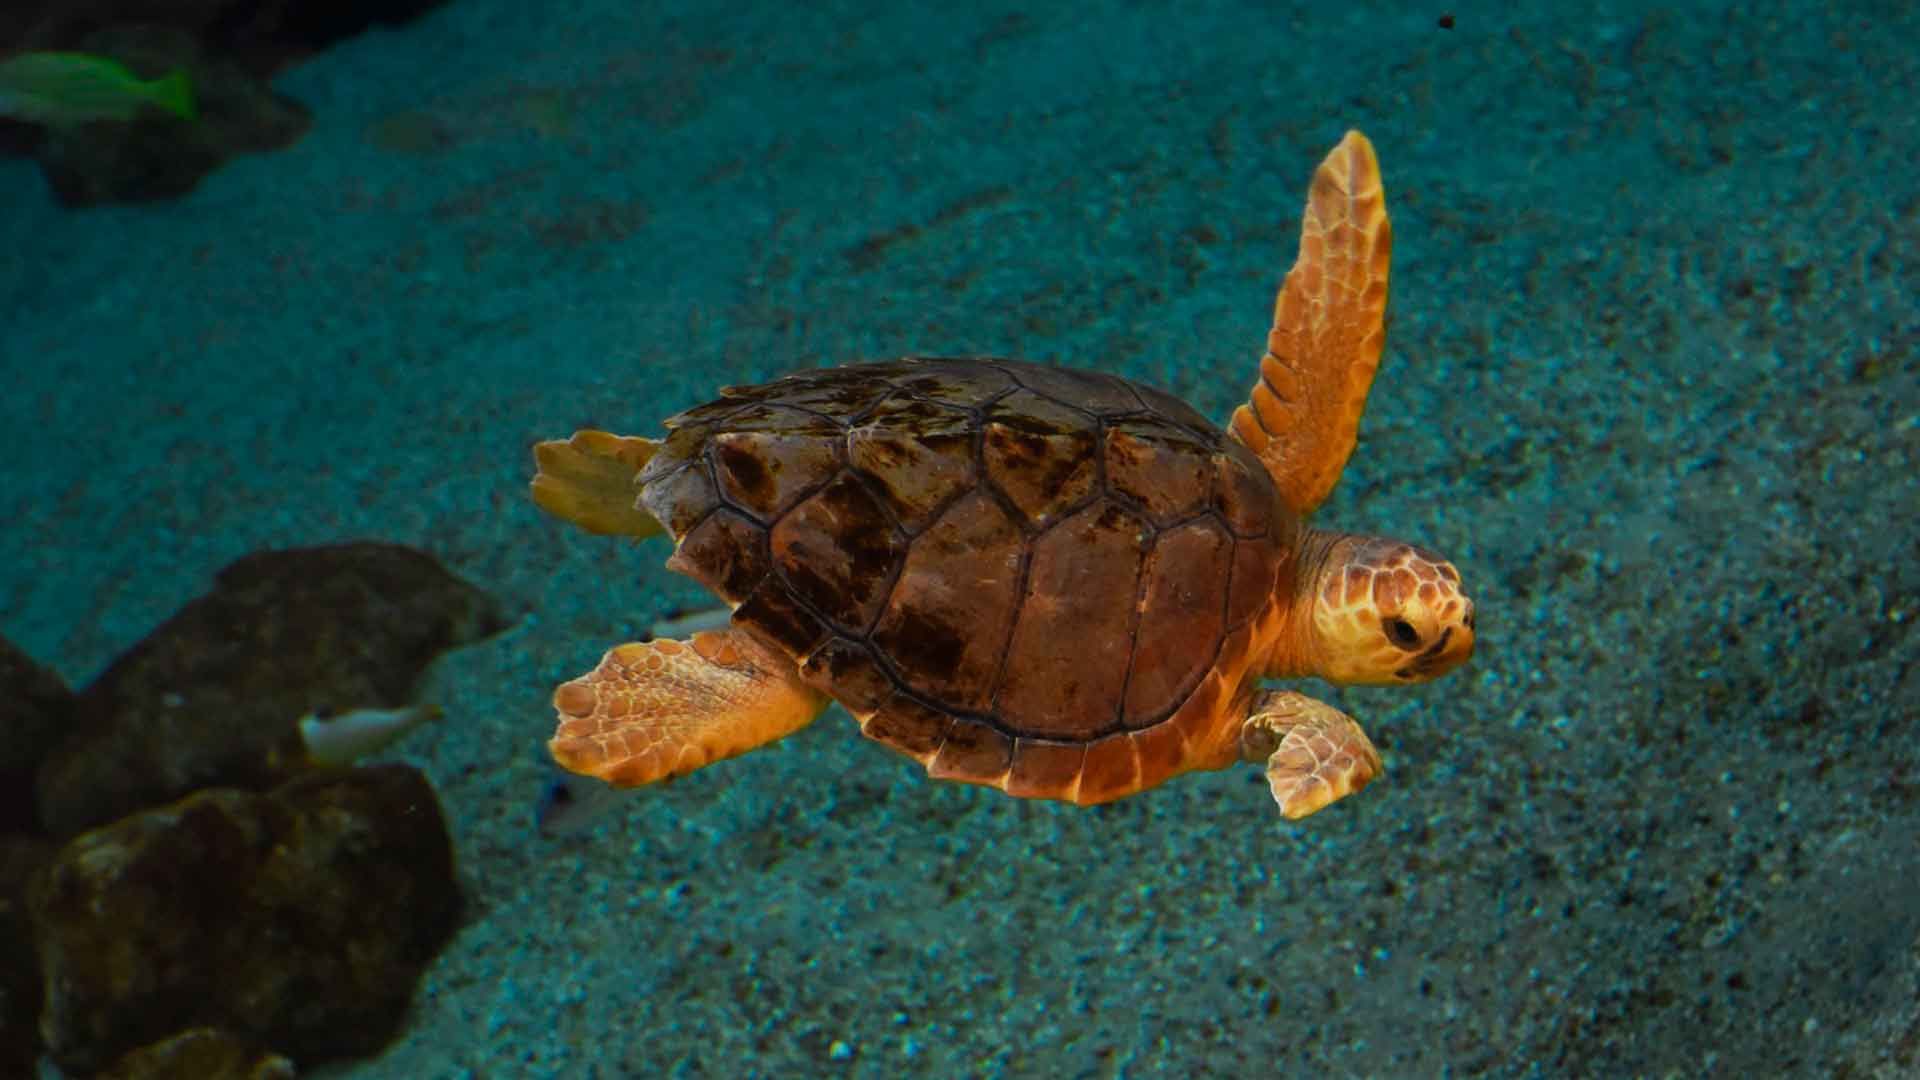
column 1315, row 754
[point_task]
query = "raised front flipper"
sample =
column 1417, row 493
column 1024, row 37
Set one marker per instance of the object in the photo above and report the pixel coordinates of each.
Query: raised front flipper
column 1328, row 329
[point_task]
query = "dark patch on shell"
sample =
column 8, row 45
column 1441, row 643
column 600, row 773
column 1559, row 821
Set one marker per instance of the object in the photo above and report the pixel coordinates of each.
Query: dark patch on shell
column 765, row 473
column 727, row 553
column 846, row 668
column 946, row 621
column 1159, row 465
column 1040, row 454
column 838, row 550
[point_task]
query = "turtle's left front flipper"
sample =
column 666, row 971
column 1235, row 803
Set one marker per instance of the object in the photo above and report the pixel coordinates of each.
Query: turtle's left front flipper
column 1315, row 753
column 658, row 709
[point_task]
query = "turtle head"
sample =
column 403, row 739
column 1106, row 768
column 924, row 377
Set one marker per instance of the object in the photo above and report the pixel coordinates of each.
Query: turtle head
column 1381, row 612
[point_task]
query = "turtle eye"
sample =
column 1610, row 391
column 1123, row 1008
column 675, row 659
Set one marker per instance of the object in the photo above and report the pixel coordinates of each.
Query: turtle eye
column 1402, row 633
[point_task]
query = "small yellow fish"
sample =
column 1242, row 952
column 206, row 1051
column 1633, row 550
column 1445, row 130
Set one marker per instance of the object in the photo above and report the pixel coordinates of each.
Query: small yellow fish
column 341, row 739
column 65, row 89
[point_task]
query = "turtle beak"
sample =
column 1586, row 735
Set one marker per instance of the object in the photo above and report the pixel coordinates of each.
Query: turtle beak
column 1453, row 648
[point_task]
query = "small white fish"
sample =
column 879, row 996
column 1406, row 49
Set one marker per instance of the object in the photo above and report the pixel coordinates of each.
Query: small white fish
column 685, row 624
column 342, row 738
column 570, row 803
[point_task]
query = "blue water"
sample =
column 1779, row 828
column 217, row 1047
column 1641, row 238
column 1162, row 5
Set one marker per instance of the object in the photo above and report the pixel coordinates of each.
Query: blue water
column 1650, row 382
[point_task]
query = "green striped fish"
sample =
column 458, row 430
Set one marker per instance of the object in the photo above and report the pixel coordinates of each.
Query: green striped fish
column 64, row 89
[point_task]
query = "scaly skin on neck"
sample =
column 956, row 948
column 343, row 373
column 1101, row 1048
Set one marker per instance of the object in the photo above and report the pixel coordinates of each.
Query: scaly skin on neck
column 1294, row 654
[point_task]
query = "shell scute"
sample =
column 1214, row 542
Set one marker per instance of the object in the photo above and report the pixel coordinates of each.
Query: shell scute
column 837, row 550
column 1161, row 749
column 921, row 454
column 840, row 393
column 972, row 751
column 964, row 385
column 1039, row 454
column 1256, row 565
column 910, row 727
column 917, row 475
column 765, row 473
column 846, row 668
column 701, row 419
column 1092, row 391
column 1111, row 769
column 1243, row 494
column 1161, row 466
column 1046, row 768
column 726, row 552
column 1182, row 618
column 679, row 498
column 1197, row 721
column 1174, row 410
column 947, row 618
column 1067, row 660
column 773, row 612
column 914, row 416
column 778, row 417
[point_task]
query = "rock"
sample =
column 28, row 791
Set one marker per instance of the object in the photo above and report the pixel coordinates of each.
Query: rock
column 155, row 154
column 62, row 24
column 36, row 709
column 263, row 36
column 212, row 696
column 230, row 49
column 200, row 1054
column 20, row 858
column 270, row 34
column 299, row 919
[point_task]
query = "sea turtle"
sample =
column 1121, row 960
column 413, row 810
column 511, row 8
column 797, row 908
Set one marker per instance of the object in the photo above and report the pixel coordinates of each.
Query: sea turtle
column 1055, row 582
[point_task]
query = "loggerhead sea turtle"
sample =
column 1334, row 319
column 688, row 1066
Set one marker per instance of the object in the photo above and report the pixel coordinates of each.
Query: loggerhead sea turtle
column 1059, row 583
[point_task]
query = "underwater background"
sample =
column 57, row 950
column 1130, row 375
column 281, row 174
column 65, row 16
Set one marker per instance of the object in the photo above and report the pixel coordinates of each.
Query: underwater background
column 1650, row 382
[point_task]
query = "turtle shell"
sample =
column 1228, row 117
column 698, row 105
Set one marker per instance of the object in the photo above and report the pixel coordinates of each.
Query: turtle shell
column 1041, row 579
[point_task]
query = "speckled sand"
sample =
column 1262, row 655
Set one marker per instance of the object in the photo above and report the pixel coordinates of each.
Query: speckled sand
column 1651, row 382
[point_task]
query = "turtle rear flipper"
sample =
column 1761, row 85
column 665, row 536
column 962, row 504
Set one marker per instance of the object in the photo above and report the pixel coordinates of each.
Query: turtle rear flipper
column 588, row 480
column 659, row 709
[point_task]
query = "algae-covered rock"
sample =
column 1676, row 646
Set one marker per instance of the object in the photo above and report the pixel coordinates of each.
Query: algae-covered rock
column 264, row 36
column 156, row 154
column 297, row 920
column 229, row 50
column 213, row 695
column 36, row 709
column 200, row 1054
column 21, row 857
